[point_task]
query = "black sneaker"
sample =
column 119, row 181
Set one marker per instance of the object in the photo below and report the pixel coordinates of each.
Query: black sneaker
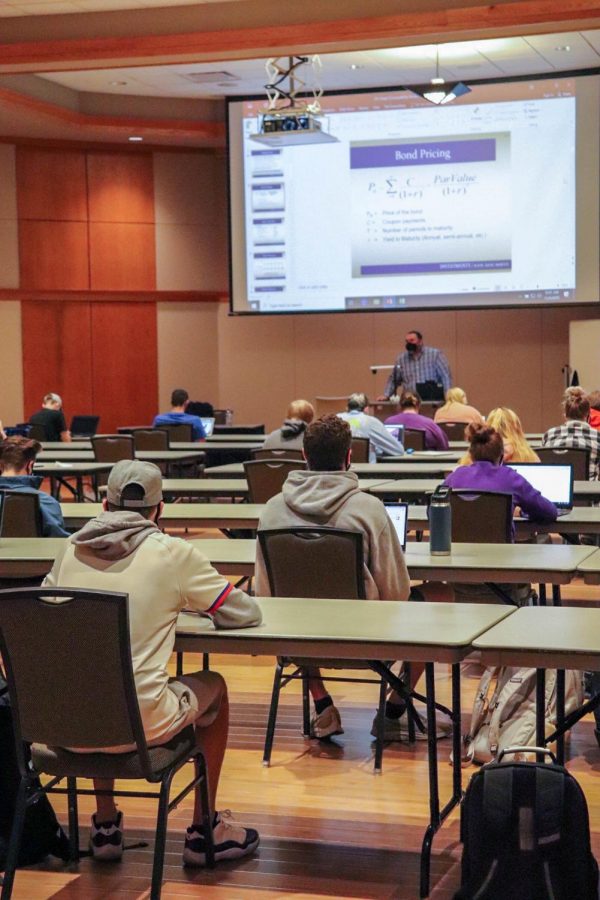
column 106, row 839
column 231, row 841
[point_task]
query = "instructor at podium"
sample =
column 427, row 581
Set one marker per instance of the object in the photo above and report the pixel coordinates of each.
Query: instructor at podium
column 416, row 365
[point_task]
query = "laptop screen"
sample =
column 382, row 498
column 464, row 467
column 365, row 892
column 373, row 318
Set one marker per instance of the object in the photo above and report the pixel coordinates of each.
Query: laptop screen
column 396, row 431
column 208, row 424
column 555, row 483
column 398, row 513
column 84, row 425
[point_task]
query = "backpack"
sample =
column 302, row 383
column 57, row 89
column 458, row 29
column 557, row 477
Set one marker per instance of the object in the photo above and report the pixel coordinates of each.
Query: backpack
column 508, row 718
column 42, row 835
column 526, row 835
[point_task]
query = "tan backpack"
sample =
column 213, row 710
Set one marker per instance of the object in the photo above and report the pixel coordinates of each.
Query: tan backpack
column 507, row 719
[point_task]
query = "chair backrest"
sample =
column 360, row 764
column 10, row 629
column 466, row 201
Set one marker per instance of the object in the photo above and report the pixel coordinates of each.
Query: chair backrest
column 481, row 517
column 455, row 431
column 414, row 439
column 579, row 459
column 37, row 433
column 266, row 477
column 299, row 562
column 56, row 695
column 112, row 448
column 259, row 453
column 151, row 439
column 179, row 432
column 20, row 514
column 220, row 416
column 360, row 449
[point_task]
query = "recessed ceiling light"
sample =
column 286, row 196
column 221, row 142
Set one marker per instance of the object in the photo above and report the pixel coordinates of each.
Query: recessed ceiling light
column 135, row 138
column 117, row 83
column 562, row 48
column 354, row 66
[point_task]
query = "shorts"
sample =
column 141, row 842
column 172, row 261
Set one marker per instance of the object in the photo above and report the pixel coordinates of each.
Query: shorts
column 200, row 695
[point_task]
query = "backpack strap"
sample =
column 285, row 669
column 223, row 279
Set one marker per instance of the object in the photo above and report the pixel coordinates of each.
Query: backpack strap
column 497, row 799
column 549, row 805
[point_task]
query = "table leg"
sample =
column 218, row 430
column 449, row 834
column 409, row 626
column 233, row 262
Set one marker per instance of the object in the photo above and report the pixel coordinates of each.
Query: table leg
column 560, row 715
column 540, row 710
column 556, row 596
column 542, row 593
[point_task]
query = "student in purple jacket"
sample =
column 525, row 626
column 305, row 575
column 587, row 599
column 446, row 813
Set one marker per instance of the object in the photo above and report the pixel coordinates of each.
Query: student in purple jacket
column 410, row 417
column 488, row 474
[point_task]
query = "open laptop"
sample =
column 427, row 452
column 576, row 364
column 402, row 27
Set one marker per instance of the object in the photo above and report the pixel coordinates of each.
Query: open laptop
column 554, row 482
column 208, row 424
column 396, row 431
column 430, row 390
column 398, row 513
column 84, row 426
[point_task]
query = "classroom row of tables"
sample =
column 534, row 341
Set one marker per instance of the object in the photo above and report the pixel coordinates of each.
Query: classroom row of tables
column 418, row 632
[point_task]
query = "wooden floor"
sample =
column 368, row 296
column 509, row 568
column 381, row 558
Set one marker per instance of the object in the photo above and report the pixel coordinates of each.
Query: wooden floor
column 329, row 827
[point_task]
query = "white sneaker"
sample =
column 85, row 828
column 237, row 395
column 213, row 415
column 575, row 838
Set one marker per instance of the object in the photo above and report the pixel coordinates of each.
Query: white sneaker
column 231, row 841
column 106, row 839
column 326, row 724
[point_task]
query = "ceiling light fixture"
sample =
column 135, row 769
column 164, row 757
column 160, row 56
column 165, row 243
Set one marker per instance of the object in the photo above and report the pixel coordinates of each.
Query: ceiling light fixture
column 117, row 83
column 437, row 91
column 562, row 48
column 135, row 138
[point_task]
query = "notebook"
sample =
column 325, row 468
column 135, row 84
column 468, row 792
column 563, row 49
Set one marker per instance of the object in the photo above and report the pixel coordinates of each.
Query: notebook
column 398, row 513
column 208, row 424
column 554, row 482
column 84, row 426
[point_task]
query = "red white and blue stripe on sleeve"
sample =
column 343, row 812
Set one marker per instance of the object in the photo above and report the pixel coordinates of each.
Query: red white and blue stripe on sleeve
column 220, row 599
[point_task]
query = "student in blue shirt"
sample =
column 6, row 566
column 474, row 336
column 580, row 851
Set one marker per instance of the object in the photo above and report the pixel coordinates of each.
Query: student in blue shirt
column 178, row 415
column 17, row 456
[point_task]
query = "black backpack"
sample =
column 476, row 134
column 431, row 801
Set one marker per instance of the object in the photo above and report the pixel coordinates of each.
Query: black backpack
column 526, row 835
column 42, row 835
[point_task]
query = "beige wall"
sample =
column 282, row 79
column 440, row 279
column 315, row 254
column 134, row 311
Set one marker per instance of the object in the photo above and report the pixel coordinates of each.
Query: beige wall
column 11, row 366
column 187, row 350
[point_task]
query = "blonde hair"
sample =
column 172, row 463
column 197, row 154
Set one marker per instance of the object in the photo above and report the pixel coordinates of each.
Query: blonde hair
column 301, row 409
column 508, row 425
column 453, row 395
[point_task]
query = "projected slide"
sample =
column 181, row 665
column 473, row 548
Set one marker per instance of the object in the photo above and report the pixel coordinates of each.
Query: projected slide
column 423, row 206
column 414, row 206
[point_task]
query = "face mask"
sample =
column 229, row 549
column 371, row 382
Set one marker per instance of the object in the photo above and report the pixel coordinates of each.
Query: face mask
column 411, row 346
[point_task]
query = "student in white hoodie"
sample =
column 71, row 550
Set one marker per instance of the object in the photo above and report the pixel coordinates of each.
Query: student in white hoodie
column 124, row 550
column 327, row 494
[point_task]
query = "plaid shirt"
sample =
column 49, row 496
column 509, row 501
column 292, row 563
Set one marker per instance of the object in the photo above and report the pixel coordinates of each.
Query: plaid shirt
column 429, row 365
column 576, row 435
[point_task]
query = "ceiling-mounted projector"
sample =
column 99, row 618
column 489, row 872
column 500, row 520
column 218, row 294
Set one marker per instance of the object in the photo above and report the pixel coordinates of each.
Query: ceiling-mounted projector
column 290, row 127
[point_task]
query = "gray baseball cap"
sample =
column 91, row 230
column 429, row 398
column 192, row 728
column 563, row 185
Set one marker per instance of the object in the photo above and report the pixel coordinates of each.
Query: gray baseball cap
column 134, row 471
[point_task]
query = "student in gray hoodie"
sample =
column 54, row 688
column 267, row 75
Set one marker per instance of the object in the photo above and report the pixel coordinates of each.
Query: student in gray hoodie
column 291, row 434
column 327, row 494
column 124, row 550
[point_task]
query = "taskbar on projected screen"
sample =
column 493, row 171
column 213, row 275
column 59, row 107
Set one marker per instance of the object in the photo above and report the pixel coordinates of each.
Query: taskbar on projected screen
column 472, row 298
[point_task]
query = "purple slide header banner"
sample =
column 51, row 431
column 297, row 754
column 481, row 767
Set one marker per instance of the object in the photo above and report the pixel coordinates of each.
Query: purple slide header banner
column 405, row 268
column 421, row 154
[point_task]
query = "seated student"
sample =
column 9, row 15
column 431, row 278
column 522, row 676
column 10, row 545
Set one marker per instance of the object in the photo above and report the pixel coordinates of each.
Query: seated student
column 291, row 434
column 124, row 550
column 17, row 456
column 488, row 474
column 576, row 432
column 409, row 416
column 179, row 416
column 594, row 418
column 517, row 448
column 456, row 408
column 327, row 494
column 52, row 419
column 364, row 425
column 2, row 432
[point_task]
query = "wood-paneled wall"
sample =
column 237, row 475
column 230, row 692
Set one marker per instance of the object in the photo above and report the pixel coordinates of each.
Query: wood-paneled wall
column 86, row 222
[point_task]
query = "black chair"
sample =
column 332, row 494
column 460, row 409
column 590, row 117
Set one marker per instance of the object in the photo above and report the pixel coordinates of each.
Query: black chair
column 181, row 432
column 150, row 439
column 266, row 477
column 414, row 439
column 220, row 416
column 37, row 433
column 299, row 563
column 481, row 517
column 20, row 514
column 260, row 453
column 579, row 458
column 111, row 448
column 361, row 447
column 59, row 701
column 455, row 431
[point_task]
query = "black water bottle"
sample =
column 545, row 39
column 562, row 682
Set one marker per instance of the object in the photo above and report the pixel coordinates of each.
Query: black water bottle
column 440, row 522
